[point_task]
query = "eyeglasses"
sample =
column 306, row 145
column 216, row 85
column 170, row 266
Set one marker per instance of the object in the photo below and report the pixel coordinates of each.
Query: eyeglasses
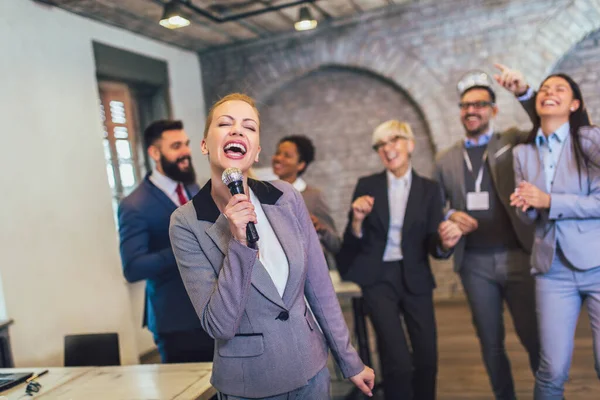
column 478, row 105
column 380, row 145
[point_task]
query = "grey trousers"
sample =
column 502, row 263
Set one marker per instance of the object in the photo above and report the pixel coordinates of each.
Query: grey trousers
column 317, row 388
column 491, row 279
column 560, row 295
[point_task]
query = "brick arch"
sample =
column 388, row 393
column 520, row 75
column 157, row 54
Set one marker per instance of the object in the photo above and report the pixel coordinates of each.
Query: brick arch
column 422, row 47
column 558, row 34
column 365, row 53
column 340, row 120
column 580, row 62
column 267, row 93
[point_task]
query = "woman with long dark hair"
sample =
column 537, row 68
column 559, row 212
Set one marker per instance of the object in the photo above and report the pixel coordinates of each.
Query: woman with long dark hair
column 557, row 176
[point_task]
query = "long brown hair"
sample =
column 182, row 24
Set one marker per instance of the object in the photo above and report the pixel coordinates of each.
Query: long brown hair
column 578, row 119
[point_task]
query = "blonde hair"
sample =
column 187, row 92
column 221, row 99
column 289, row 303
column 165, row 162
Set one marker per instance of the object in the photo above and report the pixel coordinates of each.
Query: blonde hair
column 392, row 126
column 230, row 97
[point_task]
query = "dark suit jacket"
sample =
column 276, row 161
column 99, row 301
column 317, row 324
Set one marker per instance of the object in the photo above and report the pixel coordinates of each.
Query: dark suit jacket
column 146, row 253
column 361, row 260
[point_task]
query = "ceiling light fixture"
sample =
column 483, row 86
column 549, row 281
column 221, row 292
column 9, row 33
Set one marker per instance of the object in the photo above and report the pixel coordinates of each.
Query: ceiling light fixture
column 172, row 17
column 305, row 20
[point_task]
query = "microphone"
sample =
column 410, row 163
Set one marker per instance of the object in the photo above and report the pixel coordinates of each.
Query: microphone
column 234, row 179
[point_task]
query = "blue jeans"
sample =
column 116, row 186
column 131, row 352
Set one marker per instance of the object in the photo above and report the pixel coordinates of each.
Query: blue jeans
column 560, row 294
column 317, row 388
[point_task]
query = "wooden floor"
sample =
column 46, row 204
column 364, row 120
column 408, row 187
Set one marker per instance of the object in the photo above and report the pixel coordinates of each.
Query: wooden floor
column 461, row 372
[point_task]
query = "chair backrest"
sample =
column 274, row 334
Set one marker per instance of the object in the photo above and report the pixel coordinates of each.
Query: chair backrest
column 97, row 349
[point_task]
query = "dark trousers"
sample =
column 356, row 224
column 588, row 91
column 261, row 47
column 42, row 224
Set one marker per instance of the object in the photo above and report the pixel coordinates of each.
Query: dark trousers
column 406, row 376
column 490, row 279
column 185, row 346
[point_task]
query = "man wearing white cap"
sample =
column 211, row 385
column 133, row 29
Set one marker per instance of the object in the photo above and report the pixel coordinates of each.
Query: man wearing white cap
column 492, row 258
column 396, row 221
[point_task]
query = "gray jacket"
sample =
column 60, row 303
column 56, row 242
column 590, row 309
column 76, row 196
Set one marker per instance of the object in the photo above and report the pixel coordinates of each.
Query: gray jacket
column 265, row 344
column 573, row 220
column 450, row 174
column 330, row 240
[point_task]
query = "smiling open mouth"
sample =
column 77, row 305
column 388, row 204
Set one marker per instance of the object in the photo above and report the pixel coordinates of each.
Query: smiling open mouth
column 549, row 103
column 235, row 149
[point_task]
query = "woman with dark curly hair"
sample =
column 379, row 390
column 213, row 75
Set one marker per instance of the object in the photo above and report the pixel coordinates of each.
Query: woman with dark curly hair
column 293, row 156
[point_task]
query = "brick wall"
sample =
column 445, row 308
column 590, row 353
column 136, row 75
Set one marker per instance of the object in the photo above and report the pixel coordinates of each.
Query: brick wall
column 338, row 109
column 581, row 63
column 338, row 82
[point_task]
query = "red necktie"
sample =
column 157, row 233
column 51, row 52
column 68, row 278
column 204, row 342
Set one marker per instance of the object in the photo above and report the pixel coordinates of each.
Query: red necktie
column 181, row 195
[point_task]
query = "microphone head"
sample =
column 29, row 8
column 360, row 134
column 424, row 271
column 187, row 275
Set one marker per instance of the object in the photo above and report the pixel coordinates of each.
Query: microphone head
column 232, row 175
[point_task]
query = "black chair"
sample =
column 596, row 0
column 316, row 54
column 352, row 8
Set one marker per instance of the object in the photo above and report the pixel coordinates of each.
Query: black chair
column 97, row 349
column 6, row 359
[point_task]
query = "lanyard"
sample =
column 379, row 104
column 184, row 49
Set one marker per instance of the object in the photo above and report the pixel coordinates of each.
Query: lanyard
column 470, row 168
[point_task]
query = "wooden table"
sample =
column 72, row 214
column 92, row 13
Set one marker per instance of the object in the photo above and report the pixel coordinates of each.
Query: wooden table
column 342, row 288
column 345, row 289
column 150, row 381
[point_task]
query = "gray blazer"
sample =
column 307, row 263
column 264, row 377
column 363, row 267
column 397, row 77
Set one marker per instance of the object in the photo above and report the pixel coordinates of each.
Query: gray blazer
column 313, row 197
column 265, row 344
column 451, row 176
column 573, row 220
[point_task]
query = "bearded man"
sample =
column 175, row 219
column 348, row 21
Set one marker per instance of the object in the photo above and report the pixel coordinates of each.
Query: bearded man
column 492, row 258
column 146, row 253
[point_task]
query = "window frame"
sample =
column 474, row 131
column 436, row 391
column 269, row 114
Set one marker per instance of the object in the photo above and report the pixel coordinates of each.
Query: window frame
column 117, row 91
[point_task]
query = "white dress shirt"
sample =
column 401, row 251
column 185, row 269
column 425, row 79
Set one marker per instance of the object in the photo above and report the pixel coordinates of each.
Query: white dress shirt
column 167, row 185
column 270, row 251
column 398, row 190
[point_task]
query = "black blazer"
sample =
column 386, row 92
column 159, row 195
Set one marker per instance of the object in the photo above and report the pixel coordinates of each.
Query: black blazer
column 361, row 260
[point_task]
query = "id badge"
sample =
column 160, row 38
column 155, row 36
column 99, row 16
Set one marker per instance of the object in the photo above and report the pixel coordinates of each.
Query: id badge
column 478, row 201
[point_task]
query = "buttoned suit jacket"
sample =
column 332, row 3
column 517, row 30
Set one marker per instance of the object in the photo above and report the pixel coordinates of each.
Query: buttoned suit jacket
column 573, row 220
column 146, row 254
column 266, row 344
column 361, row 259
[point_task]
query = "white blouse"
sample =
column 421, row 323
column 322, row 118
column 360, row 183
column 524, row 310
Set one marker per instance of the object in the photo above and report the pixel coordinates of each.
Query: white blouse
column 270, row 251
